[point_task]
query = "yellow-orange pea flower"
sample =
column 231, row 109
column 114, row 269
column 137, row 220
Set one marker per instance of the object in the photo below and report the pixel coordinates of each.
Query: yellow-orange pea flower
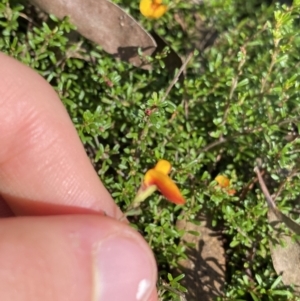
column 157, row 178
column 153, row 9
column 224, row 182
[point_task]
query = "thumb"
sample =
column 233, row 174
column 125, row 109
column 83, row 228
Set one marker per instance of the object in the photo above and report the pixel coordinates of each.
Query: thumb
column 75, row 257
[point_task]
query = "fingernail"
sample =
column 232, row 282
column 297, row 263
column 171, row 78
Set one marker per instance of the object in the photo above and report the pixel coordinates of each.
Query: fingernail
column 123, row 270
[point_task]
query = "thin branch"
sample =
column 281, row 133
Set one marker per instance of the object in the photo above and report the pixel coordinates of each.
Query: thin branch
column 270, row 202
column 288, row 178
column 173, row 82
column 249, row 187
column 175, row 79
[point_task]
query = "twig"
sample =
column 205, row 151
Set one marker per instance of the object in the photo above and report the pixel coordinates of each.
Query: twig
column 221, row 140
column 173, row 82
column 282, row 185
column 249, row 186
column 175, row 79
column 173, row 290
column 270, row 202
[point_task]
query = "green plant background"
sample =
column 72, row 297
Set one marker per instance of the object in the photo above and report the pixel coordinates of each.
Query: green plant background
column 238, row 104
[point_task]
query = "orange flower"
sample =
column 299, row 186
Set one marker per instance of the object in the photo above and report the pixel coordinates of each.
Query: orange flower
column 224, row 182
column 163, row 166
column 152, row 9
column 157, row 178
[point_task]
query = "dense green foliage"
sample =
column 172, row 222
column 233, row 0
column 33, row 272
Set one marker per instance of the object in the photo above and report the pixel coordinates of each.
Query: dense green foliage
column 238, row 103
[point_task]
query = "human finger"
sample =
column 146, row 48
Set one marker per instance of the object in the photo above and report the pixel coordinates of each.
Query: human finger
column 43, row 165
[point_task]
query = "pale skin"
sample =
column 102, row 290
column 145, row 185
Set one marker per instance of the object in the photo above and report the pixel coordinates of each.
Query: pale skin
column 55, row 241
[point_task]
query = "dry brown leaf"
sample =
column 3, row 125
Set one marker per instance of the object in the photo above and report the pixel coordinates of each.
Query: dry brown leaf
column 204, row 268
column 106, row 24
column 285, row 250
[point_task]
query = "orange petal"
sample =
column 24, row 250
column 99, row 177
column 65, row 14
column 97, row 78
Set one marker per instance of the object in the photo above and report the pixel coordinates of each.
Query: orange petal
column 146, row 8
column 152, row 8
column 163, row 166
column 231, row 191
column 165, row 185
column 222, row 181
column 159, row 11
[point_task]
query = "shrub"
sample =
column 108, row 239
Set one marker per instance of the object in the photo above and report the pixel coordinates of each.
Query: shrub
column 239, row 102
